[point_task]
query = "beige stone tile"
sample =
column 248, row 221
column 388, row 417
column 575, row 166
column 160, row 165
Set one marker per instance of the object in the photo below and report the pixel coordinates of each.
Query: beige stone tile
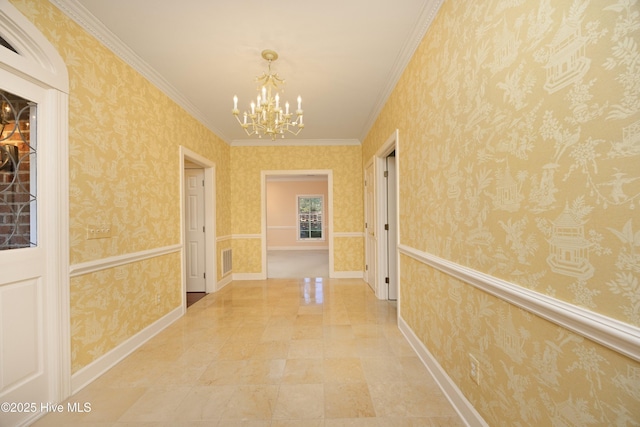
column 263, row 371
column 382, row 369
column 340, row 348
column 299, row 401
column 446, row 422
column 258, row 354
column 303, row 371
column 271, row 350
column 343, row 370
column 204, row 403
column 298, row 423
column 424, row 400
column 347, row 400
column 351, row 422
column 237, row 350
column 338, row 332
column 413, row 370
column 374, row 347
column 223, row 372
column 156, row 404
column 307, row 332
column 309, row 319
column 388, row 399
column 405, row 422
column 277, row 333
column 305, row 349
column 251, row 402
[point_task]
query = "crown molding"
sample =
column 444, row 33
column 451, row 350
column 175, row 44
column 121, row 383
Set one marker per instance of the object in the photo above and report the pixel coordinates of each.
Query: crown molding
column 81, row 16
column 425, row 18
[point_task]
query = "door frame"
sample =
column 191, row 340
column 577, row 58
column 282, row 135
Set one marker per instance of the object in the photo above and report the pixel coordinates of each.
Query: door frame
column 211, row 265
column 379, row 160
column 370, row 239
column 39, row 63
column 263, row 208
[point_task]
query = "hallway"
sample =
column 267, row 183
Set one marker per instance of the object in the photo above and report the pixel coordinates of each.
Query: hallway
column 314, row 352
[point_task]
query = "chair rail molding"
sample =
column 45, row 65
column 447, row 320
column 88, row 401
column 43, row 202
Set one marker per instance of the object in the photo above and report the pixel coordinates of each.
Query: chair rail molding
column 614, row 334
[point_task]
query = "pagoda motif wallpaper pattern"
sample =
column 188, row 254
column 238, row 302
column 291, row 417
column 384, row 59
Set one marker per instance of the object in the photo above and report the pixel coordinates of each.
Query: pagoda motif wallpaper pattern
column 519, row 154
column 529, row 147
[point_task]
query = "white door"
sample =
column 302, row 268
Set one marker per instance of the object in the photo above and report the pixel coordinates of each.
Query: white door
column 370, row 227
column 25, row 375
column 392, row 232
column 194, row 230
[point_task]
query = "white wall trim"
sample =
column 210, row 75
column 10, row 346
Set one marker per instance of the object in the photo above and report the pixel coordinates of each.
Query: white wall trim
column 614, row 334
column 246, row 236
column 292, row 142
column 105, row 362
column 223, row 238
column 298, row 248
column 454, row 395
column 358, row 234
column 347, row 275
column 264, row 176
column 249, row 276
column 281, row 227
column 39, row 63
column 224, row 282
column 115, row 261
column 210, row 189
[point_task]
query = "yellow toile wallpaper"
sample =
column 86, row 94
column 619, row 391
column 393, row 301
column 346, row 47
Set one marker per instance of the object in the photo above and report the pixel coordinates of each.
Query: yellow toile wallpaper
column 519, row 155
column 247, row 163
column 124, row 166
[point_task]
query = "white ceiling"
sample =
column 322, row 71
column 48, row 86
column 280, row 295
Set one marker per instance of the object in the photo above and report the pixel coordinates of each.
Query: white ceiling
column 343, row 57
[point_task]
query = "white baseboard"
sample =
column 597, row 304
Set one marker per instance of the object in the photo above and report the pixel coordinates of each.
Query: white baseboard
column 347, row 275
column 224, row 282
column 105, row 362
column 249, row 276
column 298, row 248
column 463, row 407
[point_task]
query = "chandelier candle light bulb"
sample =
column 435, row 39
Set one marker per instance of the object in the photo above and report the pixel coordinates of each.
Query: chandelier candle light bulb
column 266, row 116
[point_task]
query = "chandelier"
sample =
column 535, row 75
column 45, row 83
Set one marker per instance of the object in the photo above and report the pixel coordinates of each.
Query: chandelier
column 267, row 116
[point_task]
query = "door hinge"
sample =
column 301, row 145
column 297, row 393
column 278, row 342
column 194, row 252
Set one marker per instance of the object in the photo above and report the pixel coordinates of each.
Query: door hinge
column 386, row 174
column 386, row 280
column 366, row 267
column 386, row 227
column 366, row 225
column 204, row 275
column 203, row 228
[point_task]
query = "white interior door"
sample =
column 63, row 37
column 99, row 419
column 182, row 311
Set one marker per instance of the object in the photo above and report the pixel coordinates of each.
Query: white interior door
column 392, row 232
column 25, row 375
column 194, row 230
column 370, row 226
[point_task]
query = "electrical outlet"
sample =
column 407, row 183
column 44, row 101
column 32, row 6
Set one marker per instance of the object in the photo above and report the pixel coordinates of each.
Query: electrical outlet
column 98, row 231
column 474, row 369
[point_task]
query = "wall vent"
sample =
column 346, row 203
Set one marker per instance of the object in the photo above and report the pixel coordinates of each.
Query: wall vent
column 227, row 261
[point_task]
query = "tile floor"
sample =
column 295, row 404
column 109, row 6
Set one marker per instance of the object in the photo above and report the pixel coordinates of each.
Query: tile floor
column 297, row 352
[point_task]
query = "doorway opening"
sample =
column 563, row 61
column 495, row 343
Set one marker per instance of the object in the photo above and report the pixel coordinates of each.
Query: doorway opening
column 381, row 221
column 198, row 226
column 297, row 224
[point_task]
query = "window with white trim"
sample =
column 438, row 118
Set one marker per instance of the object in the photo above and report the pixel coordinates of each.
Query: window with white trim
column 310, row 217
